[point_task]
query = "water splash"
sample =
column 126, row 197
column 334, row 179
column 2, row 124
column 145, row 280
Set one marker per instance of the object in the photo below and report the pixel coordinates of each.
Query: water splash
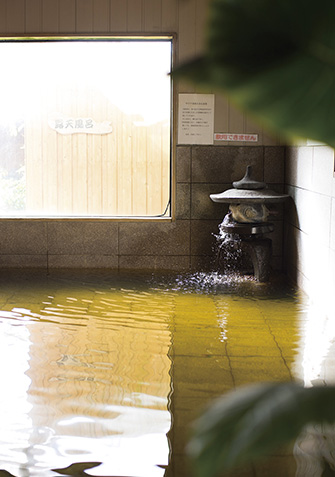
column 217, row 283
column 228, row 250
column 206, row 282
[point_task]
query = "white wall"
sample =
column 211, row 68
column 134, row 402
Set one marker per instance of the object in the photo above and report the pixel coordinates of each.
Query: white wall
column 310, row 227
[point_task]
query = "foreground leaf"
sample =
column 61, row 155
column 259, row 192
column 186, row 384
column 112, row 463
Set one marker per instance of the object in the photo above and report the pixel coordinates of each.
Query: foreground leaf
column 254, row 420
column 78, row 469
column 276, row 60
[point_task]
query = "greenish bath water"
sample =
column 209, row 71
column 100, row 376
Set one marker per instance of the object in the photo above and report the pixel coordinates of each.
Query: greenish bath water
column 112, row 369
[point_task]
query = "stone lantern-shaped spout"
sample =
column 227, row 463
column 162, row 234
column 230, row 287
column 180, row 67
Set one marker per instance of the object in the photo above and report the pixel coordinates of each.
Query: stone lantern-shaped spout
column 244, row 226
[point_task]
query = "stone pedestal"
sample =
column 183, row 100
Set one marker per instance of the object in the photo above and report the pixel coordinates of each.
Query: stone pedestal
column 243, row 246
column 259, row 251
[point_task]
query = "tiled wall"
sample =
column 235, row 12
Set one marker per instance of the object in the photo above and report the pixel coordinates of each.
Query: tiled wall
column 183, row 244
column 310, row 227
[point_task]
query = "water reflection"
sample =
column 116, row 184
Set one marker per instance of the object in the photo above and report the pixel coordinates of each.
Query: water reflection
column 314, row 450
column 113, row 370
column 88, row 380
column 16, row 424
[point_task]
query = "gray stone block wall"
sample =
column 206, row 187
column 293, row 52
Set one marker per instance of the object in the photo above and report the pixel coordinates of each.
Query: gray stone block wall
column 184, row 243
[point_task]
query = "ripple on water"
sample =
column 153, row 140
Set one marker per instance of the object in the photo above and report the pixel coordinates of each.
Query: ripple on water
column 94, row 365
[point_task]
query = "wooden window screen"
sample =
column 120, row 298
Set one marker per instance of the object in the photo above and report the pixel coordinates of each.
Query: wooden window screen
column 85, row 129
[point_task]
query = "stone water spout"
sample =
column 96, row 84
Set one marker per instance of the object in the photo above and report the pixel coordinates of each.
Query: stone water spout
column 244, row 226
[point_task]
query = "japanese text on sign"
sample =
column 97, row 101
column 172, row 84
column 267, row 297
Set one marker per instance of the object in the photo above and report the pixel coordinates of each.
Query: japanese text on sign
column 64, row 125
column 79, row 123
column 196, row 119
column 235, row 137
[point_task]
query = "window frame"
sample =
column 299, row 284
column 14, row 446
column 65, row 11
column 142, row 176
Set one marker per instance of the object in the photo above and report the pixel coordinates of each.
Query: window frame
column 169, row 213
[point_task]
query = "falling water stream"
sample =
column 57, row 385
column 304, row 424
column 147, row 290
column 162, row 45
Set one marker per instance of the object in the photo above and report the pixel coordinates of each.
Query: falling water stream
column 102, row 374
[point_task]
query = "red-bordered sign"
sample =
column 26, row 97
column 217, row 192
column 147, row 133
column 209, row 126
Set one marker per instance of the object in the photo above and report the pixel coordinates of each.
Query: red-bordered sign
column 235, row 137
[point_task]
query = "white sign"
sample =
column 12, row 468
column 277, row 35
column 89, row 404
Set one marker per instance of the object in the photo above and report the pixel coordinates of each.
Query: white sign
column 66, row 125
column 196, row 119
column 235, row 137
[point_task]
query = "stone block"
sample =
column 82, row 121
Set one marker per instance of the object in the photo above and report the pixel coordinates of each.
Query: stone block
column 274, row 164
column 79, row 261
column 82, row 238
column 202, row 207
column 178, row 263
column 225, row 164
column 183, row 201
column 202, row 237
column 183, row 164
column 154, row 238
column 23, row 237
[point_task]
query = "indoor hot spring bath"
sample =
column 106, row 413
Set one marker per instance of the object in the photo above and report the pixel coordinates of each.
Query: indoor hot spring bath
column 103, row 374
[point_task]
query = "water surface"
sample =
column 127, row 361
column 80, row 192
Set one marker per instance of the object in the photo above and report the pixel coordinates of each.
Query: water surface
column 112, row 369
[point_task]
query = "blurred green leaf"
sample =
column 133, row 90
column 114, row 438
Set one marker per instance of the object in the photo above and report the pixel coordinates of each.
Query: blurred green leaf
column 254, row 420
column 276, row 60
column 78, row 469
